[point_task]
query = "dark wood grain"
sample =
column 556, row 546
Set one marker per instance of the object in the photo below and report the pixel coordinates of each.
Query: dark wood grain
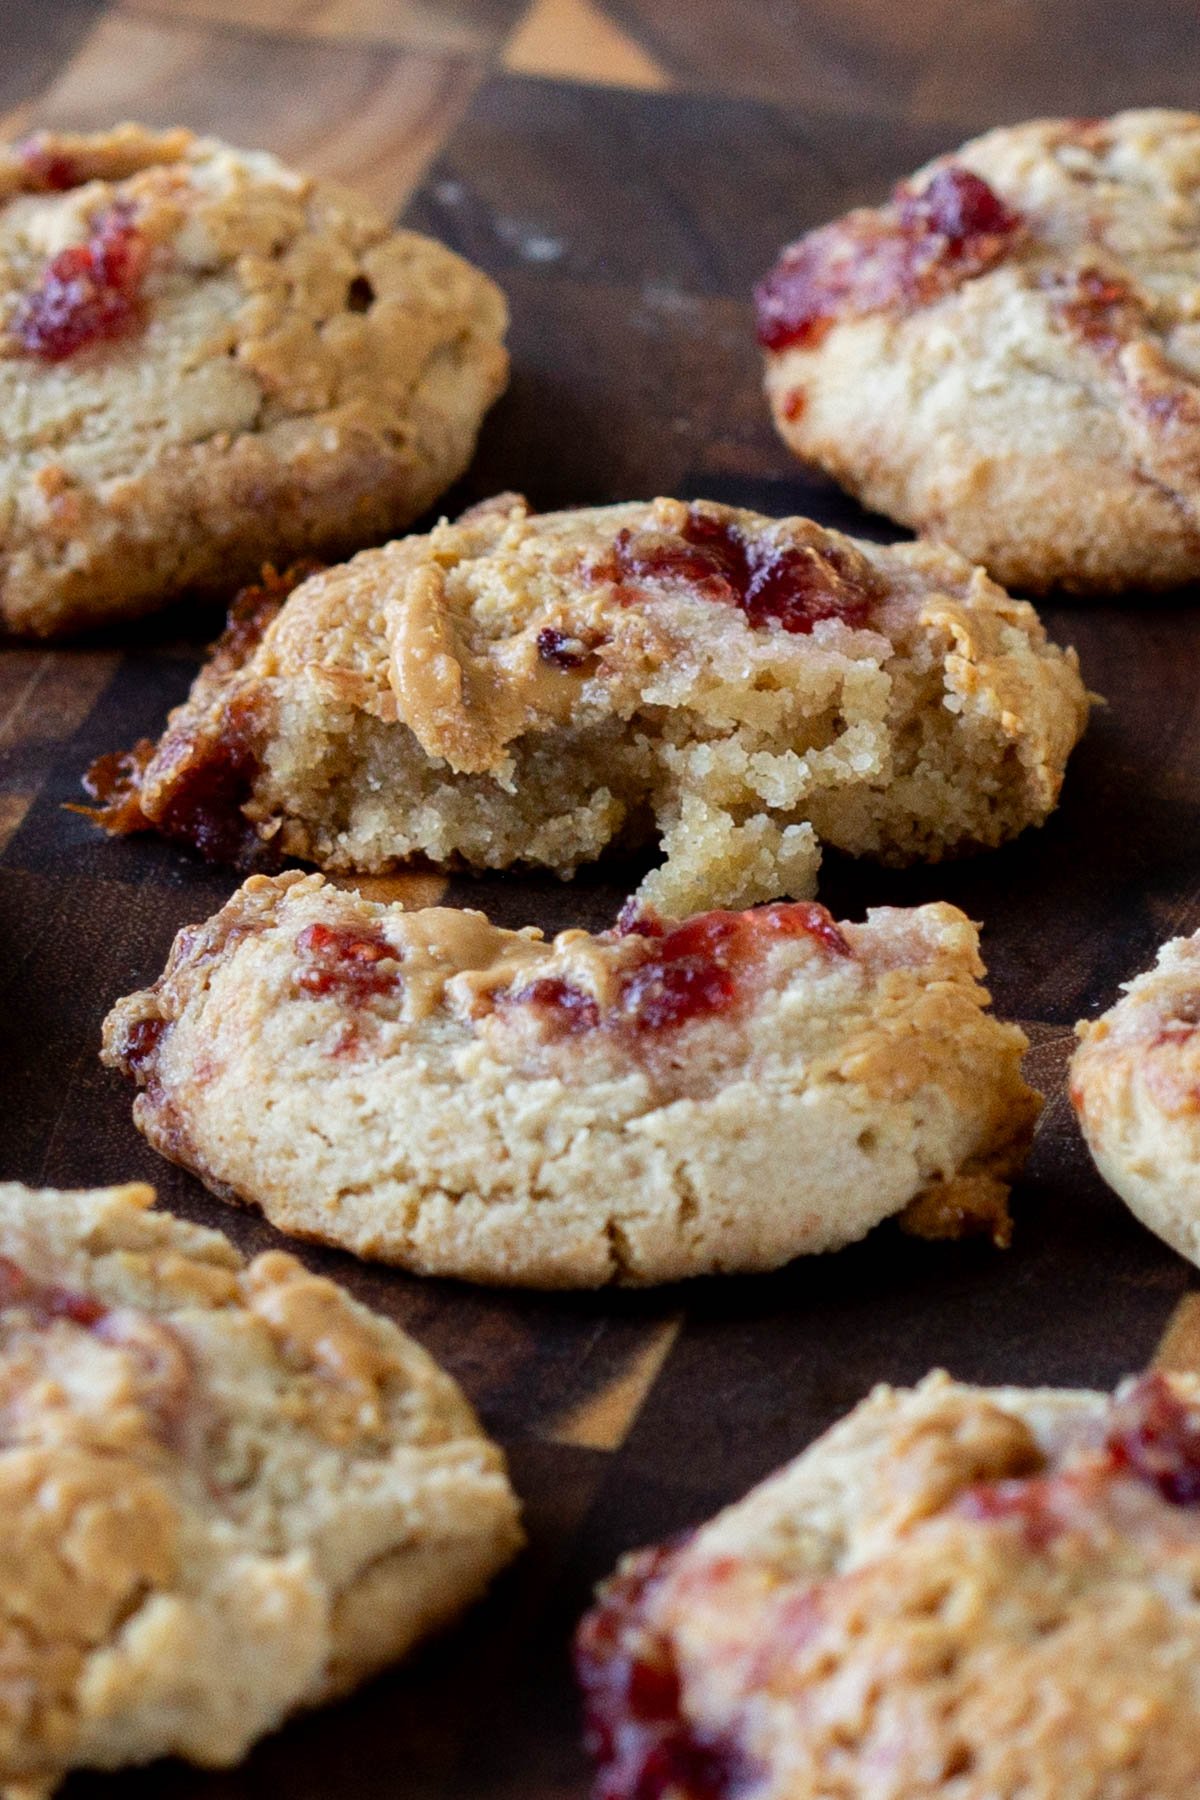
column 626, row 227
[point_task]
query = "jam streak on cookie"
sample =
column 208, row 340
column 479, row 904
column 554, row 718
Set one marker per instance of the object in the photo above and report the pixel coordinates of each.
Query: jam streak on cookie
column 1152, row 1436
column 353, row 963
column 201, row 782
column 563, row 649
column 159, row 1355
column 48, row 170
column 692, row 971
column 88, row 293
column 636, row 1728
column 201, row 786
column 1100, row 309
column 140, row 1043
column 1155, row 1435
column 790, row 585
column 209, row 783
column 46, row 1300
column 907, row 254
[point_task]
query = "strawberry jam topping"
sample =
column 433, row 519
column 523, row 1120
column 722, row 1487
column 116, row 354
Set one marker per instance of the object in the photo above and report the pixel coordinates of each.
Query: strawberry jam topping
column 571, row 1009
column 140, row 1043
column 563, row 650
column 788, row 585
column 46, row 1300
column 689, row 971
column 1039, row 1506
column 355, row 963
column 907, row 254
column 1152, row 1436
column 88, row 293
column 1101, row 310
column 635, row 1725
column 48, row 170
column 201, row 781
column 1155, row 1435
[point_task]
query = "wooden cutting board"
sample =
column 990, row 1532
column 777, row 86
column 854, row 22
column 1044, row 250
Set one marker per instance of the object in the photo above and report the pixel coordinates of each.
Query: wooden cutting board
column 625, row 171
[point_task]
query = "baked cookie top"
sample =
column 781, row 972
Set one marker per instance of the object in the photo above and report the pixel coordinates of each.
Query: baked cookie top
column 227, row 1490
column 956, row 1591
column 665, row 1099
column 516, row 687
column 207, row 361
column 1007, row 353
column 1135, row 1086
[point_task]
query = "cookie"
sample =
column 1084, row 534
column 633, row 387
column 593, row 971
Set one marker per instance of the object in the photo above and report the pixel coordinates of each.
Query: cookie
column 228, row 1490
column 208, row 360
column 1005, row 354
column 959, row 1592
column 1135, row 1087
column 522, row 689
column 662, row 1100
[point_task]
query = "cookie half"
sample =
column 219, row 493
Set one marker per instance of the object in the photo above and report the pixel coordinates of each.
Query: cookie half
column 957, row 1591
column 1135, row 1087
column 1005, row 355
column 208, row 361
column 227, row 1489
column 665, row 1099
column 515, row 688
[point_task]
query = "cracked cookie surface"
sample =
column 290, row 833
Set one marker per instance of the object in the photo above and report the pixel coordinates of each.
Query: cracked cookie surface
column 227, row 1490
column 956, row 1591
column 1006, row 355
column 208, row 361
column 1135, row 1087
column 670, row 1098
column 522, row 688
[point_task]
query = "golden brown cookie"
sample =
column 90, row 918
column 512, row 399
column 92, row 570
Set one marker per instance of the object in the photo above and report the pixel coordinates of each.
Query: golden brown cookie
column 227, row 1490
column 515, row 688
column 1135, row 1086
column 665, row 1099
column 1006, row 354
column 956, row 1594
column 208, row 361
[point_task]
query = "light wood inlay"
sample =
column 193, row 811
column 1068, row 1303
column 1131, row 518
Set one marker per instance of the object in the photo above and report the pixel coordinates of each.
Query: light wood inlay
column 572, row 40
column 371, row 116
column 1179, row 1350
column 13, row 807
column 604, row 1419
column 44, row 698
column 419, row 24
column 1045, row 1067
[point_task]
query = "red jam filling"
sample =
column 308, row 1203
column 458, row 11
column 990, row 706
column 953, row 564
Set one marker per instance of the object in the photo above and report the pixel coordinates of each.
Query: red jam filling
column 88, row 293
column 792, row 586
column 562, row 650
column 201, row 784
column 140, row 1043
column 1035, row 1505
column 635, row 1726
column 45, row 1300
column 201, row 802
column 49, row 171
column 354, row 963
column 253, row 609
column 1155, row 1435
column 1152, row 1436
column 571, row 1009
column 1102, row 311
column 212, row 783
column 907, row 254
column 1180, row 1023
column 693, row 971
